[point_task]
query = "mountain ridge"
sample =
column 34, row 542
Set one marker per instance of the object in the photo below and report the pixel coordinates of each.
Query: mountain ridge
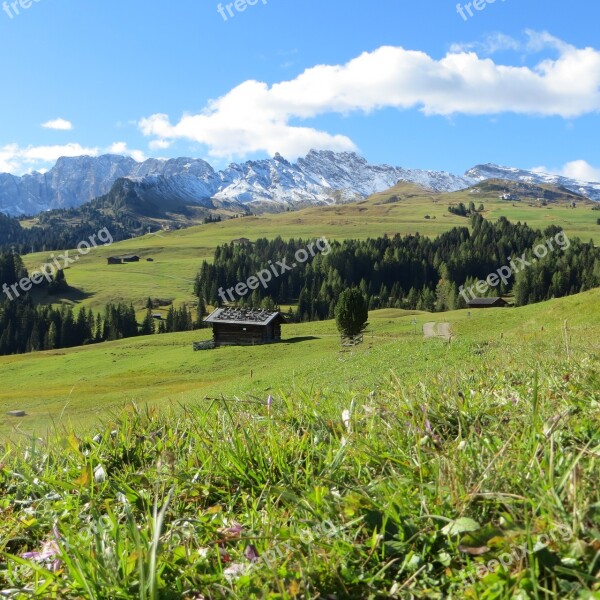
column 589, row 189
column 319, row 178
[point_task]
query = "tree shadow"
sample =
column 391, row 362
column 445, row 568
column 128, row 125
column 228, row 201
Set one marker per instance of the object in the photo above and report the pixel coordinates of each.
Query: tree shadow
column 297, row 340
column 70, row 295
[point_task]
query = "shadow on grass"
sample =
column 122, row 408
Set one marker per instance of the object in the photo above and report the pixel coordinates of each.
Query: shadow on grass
column 297, row 340
column 72, row 295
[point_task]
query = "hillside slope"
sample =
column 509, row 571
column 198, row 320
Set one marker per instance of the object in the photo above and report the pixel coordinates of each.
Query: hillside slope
column 404, row 468
column 403, row 209
column 82, row 384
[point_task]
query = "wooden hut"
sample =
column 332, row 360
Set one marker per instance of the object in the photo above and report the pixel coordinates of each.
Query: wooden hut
column 245, row 326
column 486, row 303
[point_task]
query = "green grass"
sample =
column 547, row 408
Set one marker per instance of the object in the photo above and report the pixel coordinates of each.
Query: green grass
column 139, row 458
column 178, row 255
column 78, row 386
column 453, row 455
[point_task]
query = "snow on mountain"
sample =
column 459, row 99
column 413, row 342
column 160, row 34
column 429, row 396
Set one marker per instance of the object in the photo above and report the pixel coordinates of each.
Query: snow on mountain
column 274, row 180
column 75, row 181
column 346, row 171
column 321, row 177
column 489, row 171
column 71, row 182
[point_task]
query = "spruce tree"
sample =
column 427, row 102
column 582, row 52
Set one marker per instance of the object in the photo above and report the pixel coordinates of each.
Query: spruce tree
column 148, row 326
column 351, row 312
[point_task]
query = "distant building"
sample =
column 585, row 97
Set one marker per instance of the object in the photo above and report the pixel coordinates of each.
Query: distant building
column 487, row 303
column 245, row 326
column 241, row 241
column 119, row 260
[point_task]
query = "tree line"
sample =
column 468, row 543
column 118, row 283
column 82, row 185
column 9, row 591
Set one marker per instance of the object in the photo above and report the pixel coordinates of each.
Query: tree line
column 59, row 229
column 410, row 272
column 26, row 327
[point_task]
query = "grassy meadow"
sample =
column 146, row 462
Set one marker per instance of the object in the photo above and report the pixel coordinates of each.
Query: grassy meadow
column 177, row 255
column 401, row 469
column 406, row 467
column 79, row 386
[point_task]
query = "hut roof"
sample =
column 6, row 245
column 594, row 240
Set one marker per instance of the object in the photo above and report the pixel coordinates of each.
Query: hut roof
column 243, row 316
column 485, row 301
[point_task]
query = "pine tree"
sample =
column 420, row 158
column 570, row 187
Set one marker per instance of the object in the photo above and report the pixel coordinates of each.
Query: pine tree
column 148, row 326
column 351, row 312
column 51, row 337
column 99, row 330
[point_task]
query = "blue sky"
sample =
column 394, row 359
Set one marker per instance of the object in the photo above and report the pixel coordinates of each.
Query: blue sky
column 409, row 83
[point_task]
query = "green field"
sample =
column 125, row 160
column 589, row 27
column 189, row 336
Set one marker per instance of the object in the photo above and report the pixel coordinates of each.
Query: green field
column 177, row 255
column 405, row 468
column 80, row 386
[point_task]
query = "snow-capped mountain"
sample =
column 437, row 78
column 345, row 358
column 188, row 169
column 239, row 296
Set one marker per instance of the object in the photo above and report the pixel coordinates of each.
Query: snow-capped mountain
column 346, row 171
column 319, row 178
column 482, row 172
column 75, row 181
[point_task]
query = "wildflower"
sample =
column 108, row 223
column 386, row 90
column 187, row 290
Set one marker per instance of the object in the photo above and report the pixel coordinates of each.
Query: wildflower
column 224, row 555
column 49, row 552
column 235, row 571
column 434, row 437
column 251, row 553
column 233, row 531
column 346, row 419
column 99, row 474
column 269, row 403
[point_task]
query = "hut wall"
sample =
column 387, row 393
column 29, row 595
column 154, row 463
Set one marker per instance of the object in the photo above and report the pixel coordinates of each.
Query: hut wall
column 225, row 334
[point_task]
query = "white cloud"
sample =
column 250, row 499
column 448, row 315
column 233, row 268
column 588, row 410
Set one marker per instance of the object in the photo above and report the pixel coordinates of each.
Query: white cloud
column 159, row 144
column 121, row 148
column 581, row 170
column 255, row 117
column 492, row 43
column 58, row 124
column 17, row 160
column 534, row 42
column 539, row 40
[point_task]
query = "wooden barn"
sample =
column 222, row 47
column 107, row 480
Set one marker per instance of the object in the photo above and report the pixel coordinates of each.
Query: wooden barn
column 119, row 260
column 245, row 326
column 486, row 303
